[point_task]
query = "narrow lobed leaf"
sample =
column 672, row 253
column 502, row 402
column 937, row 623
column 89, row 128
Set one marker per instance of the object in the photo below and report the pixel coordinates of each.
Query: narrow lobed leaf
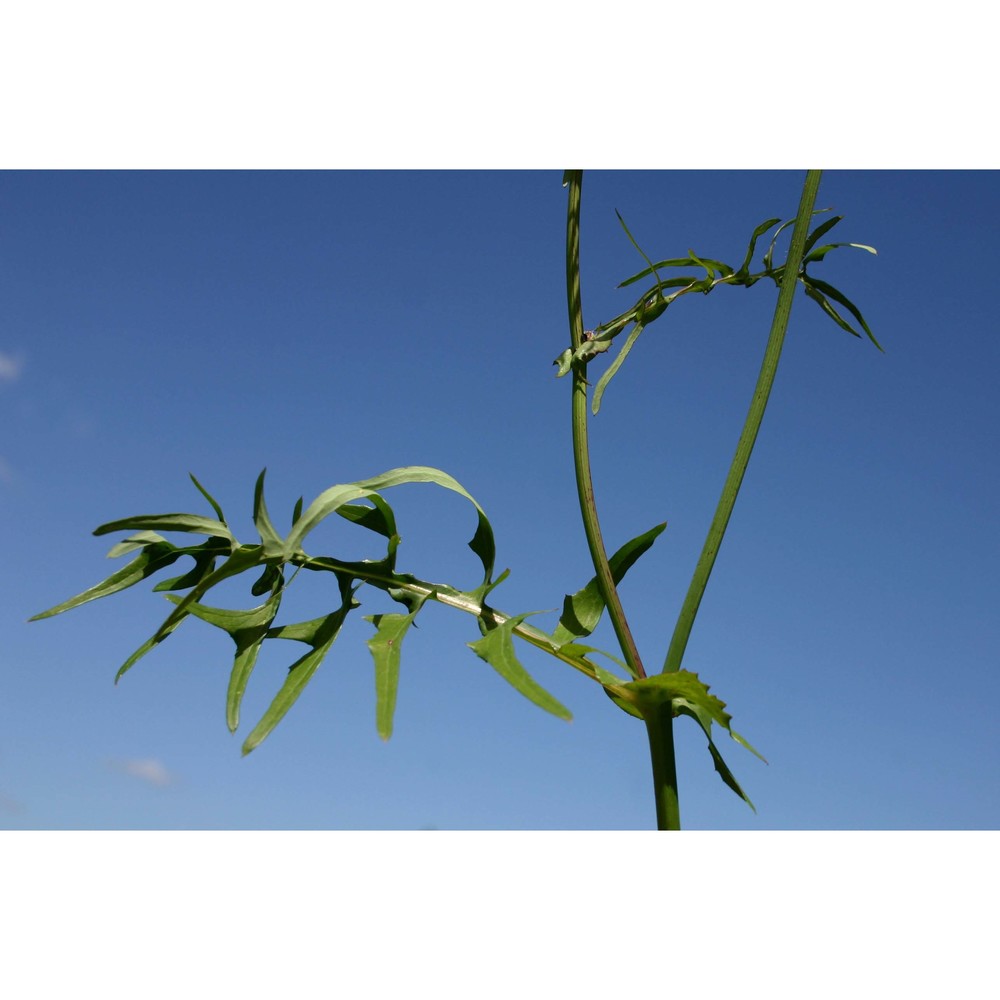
column 385, row 647
column 497, row 649
column 582, row 610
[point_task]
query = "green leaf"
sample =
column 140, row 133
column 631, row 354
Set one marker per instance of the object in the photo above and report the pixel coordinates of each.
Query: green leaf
column 564, row 362
column 154, row 640
column 335, row 497
column 153, row 558
column 769, row 253
column 244, row 558
column 133, row 542
column 300, row 673
column 815, row 289
column 208, row 496
column 819, row 231
column 820, row 252
column 273, row 542
column 744, row 268
column 204, row 562
column 247, row 629
column 497, row 649
column 385, row 647
column 170, row 522
column 271, row 578
column 632, row 240
column 688, row 695
column 620, row 357
column 378, row 518
column 582, row 610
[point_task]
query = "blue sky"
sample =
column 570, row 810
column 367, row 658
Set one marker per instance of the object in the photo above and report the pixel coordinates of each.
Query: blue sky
column 332, row 325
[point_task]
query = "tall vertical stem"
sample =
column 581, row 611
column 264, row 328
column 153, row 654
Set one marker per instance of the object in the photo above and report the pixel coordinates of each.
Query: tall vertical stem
column 581, row 446
column 659, row 726
column 731, row 487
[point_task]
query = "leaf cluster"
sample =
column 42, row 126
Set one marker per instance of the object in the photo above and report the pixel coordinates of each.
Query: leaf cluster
column 705, row 274
column 275, row 561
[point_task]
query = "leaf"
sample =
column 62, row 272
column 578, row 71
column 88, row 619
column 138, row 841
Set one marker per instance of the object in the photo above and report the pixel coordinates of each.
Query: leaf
column 620, row 357
column 378, row 518
column 582, row 611
column 267, row 581
column 564, row 362
column 642, row 254
column 244, row 558
column 133, row 542
column 208, row 496
column 820, row 252
column 154, row 640
column 385, row 647
column 744, row 268
column 273, row 542
column 335, row 497
column 153, row 558
column 688, row 695
column 819, row 231
column 247, row 629
column 815, row 289
column 724, row 269
column 170, row 522
column 299, row 674
column 497, row 649
column 204, row 562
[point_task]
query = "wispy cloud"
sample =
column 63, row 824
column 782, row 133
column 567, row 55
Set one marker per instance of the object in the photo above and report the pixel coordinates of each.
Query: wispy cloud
column 10, row 367
column 6, row 471
column 148, row 769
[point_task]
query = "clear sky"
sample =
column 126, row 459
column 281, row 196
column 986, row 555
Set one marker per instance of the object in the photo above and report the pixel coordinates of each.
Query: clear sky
column 332, row 325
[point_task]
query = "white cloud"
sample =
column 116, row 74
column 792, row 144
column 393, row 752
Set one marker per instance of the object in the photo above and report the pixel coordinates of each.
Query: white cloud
column 10, row 367
column 149, row 770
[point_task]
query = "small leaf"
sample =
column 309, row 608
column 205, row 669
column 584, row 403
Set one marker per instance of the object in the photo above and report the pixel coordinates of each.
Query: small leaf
column 133, row 542
column 744, row 268
column 582, row 611
column 273, row 542
column 208, row 496
column 248, row 630
column 170, row 522
column 153, row 558
column 378, row 518
column 385, row 647
column 819, row 231
column 299, row 675
column 497, row 649
column 820, row 252
column 244, row 558
column 204, row 563
column 564, row 362
column 154, row 640
column 620, row 357
column 815, row 289
column 267, row 581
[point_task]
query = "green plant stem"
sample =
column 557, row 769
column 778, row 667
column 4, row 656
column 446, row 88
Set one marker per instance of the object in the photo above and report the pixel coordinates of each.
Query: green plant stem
column 581, row 446
column 660, row 729
column 734, row 479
